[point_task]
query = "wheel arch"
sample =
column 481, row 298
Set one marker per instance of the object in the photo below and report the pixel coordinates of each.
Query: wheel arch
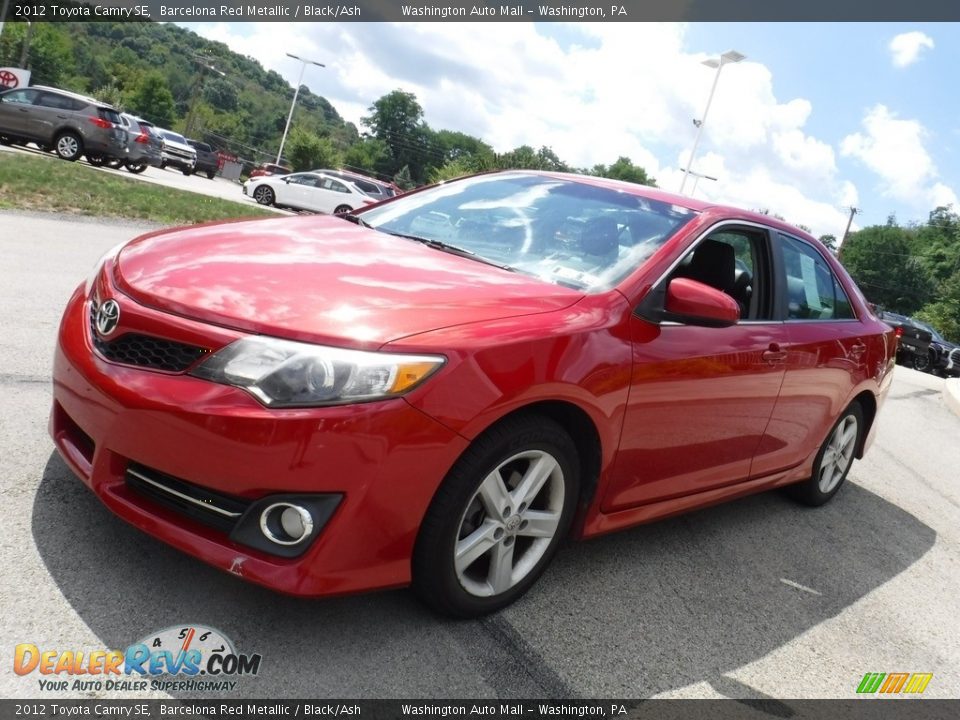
column 868, row 404
column 583, row 432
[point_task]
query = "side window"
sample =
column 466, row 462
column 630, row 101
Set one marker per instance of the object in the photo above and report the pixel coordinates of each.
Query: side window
column 813, row 291
column 21, row 97
column 734, row 261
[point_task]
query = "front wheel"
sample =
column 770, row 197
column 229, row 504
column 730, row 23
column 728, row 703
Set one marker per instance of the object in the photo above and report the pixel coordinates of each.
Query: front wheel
column 832, row 464
column 497, row 520
column 187, row 171
column 922, row 362
column 264, row 195
column 342, row 210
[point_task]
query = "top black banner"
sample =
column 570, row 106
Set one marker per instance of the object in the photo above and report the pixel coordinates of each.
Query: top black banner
column 480, row 11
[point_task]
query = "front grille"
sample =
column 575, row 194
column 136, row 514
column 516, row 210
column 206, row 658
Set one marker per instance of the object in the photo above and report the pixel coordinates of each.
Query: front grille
column 205, row 506
column 144, row 350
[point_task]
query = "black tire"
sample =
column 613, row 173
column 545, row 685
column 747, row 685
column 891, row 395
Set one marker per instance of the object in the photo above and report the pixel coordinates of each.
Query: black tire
column 136, row 168
column 187, row 171
column 114, row 163
column 923, row 362
column 264, row 195
column 4, row 140
column 342, row 210
column 96, row 160
column 211, row 175
column 163, row 166
column 68, row 146
column 505, row 456
column 819, row 488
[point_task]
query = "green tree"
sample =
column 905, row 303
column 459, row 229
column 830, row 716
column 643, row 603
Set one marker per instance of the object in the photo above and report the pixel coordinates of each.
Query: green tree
column 830, row 242
column 944, row 312
column 153, row 100
column 883, row 260
column 624, row 169
column 367, row 154
column 397, row 120
column 307, row 151
column 403, row 180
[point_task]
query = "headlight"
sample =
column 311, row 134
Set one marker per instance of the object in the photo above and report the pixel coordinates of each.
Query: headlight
column 283, row 373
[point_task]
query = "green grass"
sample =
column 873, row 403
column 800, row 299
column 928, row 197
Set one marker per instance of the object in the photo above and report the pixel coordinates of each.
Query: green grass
column 53, row 185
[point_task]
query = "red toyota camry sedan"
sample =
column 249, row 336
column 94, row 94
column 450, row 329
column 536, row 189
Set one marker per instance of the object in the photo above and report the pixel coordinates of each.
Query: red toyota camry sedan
column 440, row 389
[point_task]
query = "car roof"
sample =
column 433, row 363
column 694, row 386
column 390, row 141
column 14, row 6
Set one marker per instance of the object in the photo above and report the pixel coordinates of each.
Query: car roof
column 77, row 96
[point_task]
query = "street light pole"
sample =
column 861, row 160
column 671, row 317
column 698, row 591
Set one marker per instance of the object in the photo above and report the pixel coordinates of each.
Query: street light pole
column 730, row 56
column 296, row 94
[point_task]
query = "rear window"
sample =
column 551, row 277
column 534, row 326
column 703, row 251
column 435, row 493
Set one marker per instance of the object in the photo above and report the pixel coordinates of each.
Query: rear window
column 201, row 146
column 170, row 135
column 108, row 114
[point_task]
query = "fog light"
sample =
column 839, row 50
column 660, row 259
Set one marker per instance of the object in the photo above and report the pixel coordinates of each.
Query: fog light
column 286, row 524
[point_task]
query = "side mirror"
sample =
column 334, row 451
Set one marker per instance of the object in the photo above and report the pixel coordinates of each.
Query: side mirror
column 286, row 180
column 694, row 303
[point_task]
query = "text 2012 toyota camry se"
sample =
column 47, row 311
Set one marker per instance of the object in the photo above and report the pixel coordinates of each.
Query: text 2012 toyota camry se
column 440, row 389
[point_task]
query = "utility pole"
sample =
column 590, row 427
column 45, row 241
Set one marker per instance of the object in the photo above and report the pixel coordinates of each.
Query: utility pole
column 296, row 94
column 843, row 240
column 25, row 48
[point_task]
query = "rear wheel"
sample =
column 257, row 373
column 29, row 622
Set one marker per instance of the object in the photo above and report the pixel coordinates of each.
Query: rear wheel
column 497, row 519
column 264, row 195
column 832, row 464
column 95, row 160
column 68, row 146
column 187, row 171
column 211, row 175
column 136, row 168
column 922, row 362
column 342, row 210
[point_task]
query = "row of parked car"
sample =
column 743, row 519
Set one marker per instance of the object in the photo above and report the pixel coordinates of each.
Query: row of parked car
column 921, row 347
column 75, row 126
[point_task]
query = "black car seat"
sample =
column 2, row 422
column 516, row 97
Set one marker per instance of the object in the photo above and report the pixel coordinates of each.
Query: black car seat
column 600, row 238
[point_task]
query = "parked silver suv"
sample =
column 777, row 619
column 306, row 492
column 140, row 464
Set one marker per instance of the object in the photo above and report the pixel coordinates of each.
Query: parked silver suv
column 69, row 124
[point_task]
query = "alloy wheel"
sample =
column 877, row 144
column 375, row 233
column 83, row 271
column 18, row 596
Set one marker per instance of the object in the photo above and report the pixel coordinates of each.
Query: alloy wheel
column 838, row 454
column 509, row 523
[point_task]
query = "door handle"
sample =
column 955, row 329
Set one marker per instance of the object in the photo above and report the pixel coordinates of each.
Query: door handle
column 774, row 354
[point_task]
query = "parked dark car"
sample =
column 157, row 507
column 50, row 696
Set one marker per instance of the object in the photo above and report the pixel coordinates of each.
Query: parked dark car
column 270, row 169
column 144, row 144
column 208, row 162
column 943, row 356
column 914, row 341
column 69, row 124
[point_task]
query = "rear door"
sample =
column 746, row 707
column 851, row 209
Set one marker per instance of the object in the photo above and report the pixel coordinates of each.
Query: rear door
column 826, row 356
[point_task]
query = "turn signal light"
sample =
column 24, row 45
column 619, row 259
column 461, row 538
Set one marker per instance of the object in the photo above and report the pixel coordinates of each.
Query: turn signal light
column 142, row 138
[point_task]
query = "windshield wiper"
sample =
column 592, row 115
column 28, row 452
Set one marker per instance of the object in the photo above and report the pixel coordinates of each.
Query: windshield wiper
column 447, row 247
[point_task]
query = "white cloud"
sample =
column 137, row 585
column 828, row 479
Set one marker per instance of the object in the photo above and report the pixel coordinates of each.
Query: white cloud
column 905, row 48
column 894, row 149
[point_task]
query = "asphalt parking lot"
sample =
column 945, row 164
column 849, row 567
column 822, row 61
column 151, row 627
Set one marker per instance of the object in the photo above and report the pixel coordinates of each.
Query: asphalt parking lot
column 758, row 598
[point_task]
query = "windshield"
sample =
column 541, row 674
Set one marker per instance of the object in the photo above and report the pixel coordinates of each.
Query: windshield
column 562, row 231
column 173, row 136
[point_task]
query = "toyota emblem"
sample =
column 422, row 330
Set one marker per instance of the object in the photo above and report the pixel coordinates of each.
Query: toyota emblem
column 108, row 315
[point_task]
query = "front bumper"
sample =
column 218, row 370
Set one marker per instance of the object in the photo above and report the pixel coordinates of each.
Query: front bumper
column 385, row 459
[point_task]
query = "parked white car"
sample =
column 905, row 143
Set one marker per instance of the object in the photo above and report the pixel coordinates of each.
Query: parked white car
column 307, row 191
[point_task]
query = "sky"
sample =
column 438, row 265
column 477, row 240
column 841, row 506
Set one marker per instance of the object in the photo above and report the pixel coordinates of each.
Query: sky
column 819, row 117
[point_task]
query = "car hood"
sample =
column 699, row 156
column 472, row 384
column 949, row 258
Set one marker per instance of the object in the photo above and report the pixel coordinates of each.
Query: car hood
column 322, row 279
